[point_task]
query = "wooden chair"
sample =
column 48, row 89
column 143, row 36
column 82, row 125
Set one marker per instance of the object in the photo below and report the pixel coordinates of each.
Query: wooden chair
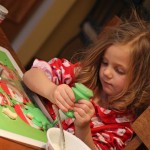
column 141, row 127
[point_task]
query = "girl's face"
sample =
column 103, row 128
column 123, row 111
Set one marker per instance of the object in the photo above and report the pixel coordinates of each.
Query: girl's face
column 114, row 69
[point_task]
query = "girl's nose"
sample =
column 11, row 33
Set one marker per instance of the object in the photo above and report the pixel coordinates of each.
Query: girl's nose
column 108, row 72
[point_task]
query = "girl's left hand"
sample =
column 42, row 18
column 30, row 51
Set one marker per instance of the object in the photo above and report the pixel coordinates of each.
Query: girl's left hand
column 83, row 112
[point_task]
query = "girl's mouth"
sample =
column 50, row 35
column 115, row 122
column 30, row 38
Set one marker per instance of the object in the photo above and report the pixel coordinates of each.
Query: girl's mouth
column 105, row 83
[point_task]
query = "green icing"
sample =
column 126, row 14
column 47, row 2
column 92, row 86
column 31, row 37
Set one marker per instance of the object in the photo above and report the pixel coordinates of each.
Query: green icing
column 69, row 114
column 38, row 117
column 80, row 92
column 84, row 90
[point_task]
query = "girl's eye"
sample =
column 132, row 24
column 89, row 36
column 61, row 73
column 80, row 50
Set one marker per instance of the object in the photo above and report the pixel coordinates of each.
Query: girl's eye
column 104, row 62
column 120, row 70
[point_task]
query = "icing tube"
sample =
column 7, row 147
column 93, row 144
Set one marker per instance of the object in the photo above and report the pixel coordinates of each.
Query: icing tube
column 80, row 92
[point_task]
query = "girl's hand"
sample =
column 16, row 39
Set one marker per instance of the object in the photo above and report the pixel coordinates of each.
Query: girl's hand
column 83, row 112
column 64, row 97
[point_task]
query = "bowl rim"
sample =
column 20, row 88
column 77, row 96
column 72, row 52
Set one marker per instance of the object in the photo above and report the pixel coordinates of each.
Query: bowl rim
column 68, row 133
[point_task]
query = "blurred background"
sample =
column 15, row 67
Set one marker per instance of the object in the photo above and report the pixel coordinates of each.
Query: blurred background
column 59, row 28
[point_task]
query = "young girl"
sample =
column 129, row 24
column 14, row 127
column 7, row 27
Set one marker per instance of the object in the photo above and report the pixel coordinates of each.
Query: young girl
column 116, row 68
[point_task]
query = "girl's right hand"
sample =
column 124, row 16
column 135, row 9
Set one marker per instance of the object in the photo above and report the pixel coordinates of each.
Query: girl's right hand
column 63, row 97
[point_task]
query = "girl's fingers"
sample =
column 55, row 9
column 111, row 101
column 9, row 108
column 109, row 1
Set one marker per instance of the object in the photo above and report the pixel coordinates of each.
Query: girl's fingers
column 84, row 104
column 70, row 94
column 83, row 112
column 67, row 95
column 78, row 116
column 61, row 102
column 83, row 107
column 88, row 103
column 80, row 111
column 67, row 98
column 61, row 106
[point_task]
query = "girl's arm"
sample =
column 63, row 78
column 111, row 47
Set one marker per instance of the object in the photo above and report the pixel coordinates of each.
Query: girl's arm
column 61, row 95
column 85, row 135
column 84, row 111
column 37, row 81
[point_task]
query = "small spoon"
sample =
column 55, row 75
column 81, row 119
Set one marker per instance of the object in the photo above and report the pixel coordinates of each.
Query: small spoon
column 60, row 125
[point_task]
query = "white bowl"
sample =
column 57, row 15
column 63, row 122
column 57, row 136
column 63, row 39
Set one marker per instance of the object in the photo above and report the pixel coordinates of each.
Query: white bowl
column 71, row 141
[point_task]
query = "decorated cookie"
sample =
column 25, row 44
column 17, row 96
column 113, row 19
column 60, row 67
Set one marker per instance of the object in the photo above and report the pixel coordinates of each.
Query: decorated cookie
column 9, row 113
column 37, row 117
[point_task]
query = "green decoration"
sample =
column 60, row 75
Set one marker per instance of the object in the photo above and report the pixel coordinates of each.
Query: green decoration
column 80, row 92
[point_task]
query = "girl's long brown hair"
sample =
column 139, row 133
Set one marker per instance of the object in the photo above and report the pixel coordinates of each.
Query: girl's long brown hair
column 136, row 95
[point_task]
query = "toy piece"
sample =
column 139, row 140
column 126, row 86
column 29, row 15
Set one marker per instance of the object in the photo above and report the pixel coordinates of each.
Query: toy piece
column 80, row 92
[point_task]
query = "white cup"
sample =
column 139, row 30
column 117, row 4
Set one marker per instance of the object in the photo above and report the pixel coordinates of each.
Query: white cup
column 3, row 13
column 71, row 141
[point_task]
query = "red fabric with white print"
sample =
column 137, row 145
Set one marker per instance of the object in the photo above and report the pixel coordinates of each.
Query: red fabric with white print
column 59, row 71
column 110, row 129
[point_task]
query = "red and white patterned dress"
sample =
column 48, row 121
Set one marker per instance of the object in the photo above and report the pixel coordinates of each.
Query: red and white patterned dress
column 111, row 130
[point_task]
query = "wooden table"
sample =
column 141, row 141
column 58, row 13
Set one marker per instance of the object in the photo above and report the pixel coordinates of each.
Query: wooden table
column 6, row 144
